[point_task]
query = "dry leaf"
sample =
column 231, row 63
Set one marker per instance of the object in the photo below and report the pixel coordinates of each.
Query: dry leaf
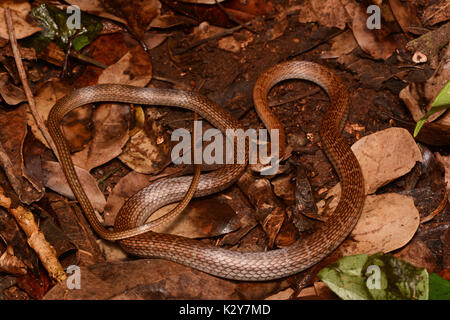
column 367, row 40
column 10, row 93
column 54, row 179
column 95, row 7
column 110, row 134
column 328, row 13
column 385, row 156
column 436, row 13
column 147, row 151
column 19, row 11
column 340, row 45
column 158, row 279
column 134, row 68
column 388, row 222
column 13, row 130
column 445, row 161
column 406, row 14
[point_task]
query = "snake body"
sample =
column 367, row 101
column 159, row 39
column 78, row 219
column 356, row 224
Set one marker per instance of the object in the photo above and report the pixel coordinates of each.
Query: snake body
column 251, row 266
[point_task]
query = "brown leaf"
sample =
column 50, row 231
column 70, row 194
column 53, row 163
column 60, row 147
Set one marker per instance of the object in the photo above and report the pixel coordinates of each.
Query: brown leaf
column 134, row 68
column 10, row 93
column 368, row 40
column 138, row 16
column 436, row 13
column 388, row 222
column 13, row 130
column 54, row 179
column 96, row 8
column 418, row 254
column 110, row 134
column 19, row 12
column 406, row 14
column 158, row 279
column 148, row 151
column 73, row 223
column 328, row 13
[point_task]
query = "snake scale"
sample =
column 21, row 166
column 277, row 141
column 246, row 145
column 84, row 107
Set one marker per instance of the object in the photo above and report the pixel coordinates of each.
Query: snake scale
column 251, row 266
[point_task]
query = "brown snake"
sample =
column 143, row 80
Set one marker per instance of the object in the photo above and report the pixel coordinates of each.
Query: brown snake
column 254, row 266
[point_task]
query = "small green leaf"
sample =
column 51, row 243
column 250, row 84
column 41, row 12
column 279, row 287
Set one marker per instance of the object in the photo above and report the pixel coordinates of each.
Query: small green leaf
column 439, row 288
column 441, row 102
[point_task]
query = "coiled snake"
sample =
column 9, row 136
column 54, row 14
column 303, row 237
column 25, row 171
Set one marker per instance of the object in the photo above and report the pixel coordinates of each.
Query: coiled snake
column 252, row 266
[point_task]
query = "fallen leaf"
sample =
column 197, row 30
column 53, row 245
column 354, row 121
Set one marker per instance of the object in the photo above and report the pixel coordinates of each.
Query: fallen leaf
column 158, row 279
column 445, row 161
column 147, row 151
column 96, row 8
column 436, row 13
column 406, row 14
column 19, row 12
column 13, row 130
column 340, row 45
column 388, row 222
column 367, row 39
column 328, row 13
column 138, row 16
column 110, row 134
column 134, row 68
column 385, row 156
column 54, row 179
column 10, row 93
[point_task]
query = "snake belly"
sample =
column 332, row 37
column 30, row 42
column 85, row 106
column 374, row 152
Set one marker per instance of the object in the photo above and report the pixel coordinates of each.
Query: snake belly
column 250, row 266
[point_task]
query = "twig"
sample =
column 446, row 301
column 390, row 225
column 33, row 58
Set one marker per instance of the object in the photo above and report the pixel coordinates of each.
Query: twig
column 35, row 237
column 24, row 79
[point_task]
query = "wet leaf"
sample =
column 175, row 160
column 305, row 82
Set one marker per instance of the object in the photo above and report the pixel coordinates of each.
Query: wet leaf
column 375, row 277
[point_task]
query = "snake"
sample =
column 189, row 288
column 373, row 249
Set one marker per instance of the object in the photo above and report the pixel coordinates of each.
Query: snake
column 130, row 228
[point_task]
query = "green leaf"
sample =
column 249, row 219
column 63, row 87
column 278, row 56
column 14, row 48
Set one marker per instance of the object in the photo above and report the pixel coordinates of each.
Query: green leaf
column 441, row 102
column 379, row 277
column 55, row 28
column 439, row 288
